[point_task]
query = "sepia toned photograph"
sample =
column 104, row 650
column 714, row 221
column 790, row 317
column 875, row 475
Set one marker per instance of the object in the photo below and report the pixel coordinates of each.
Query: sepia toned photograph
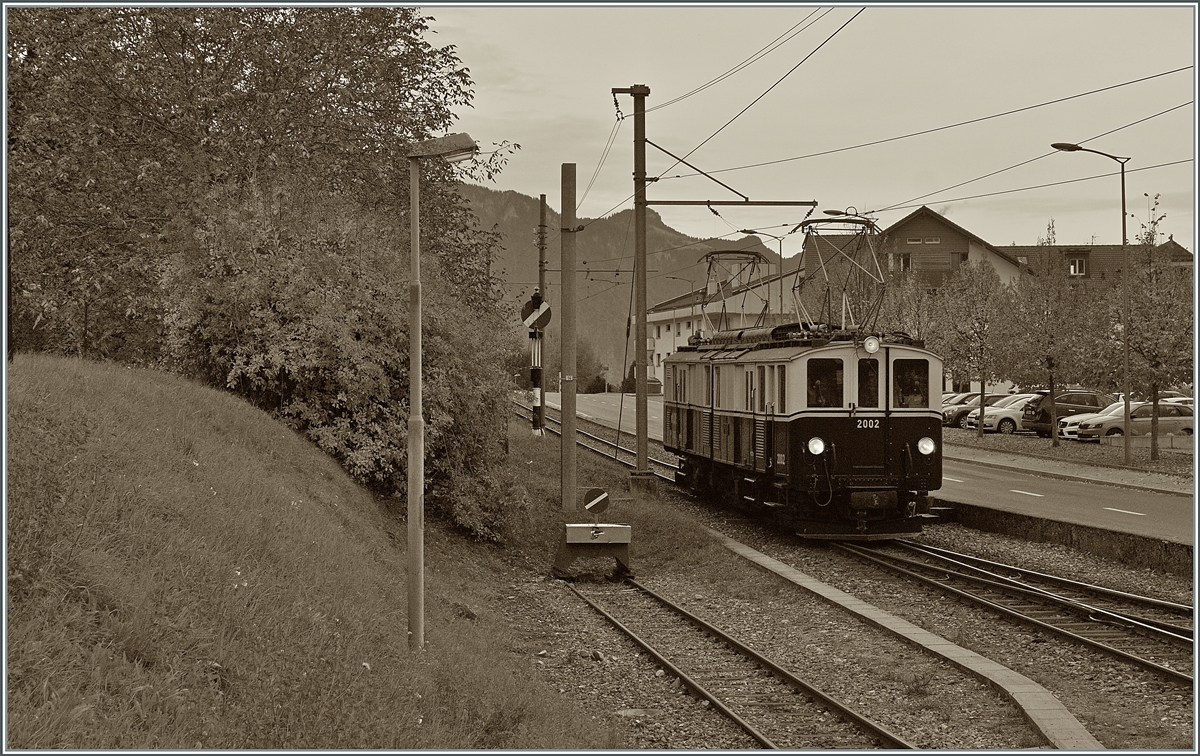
column 565, row 377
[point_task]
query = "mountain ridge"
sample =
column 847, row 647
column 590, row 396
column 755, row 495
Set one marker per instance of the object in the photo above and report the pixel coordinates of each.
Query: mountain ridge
column 604, row 265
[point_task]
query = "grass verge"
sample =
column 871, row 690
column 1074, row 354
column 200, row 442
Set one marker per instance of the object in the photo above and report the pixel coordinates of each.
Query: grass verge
column 184, row 572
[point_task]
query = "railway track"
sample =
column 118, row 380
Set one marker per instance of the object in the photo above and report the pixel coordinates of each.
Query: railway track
column 1152, row 634
column 611, row 449
column 770, row 703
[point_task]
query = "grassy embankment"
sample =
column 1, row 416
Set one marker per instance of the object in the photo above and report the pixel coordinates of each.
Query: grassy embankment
column 185, row 572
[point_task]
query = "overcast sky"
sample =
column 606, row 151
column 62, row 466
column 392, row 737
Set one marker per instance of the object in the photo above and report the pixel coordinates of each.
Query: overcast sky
column 832, row 79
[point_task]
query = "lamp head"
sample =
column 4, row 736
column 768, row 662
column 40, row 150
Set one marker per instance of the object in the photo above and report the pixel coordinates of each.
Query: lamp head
column 1066, row 147
column 453, row 148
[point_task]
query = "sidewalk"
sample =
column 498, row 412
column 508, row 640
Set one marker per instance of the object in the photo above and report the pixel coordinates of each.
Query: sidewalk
column 1053, row 468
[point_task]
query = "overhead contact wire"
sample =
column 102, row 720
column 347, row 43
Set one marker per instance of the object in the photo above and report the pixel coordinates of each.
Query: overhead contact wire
column 906, row 202
column 937, row 128
column 762, row 53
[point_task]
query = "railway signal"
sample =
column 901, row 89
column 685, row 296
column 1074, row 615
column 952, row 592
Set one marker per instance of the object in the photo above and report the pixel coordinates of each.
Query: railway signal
column 536, row 315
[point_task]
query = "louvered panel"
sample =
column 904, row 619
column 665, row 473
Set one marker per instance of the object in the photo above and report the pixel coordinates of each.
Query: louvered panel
column 760, row 440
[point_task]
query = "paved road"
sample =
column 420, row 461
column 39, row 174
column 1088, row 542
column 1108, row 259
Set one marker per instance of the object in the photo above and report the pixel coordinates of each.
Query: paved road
column 1024, row 485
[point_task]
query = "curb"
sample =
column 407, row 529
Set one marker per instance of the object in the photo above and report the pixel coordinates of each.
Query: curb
column 1045, row 712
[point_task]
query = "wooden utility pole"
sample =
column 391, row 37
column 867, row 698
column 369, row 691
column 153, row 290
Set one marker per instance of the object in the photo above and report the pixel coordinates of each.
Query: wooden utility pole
column 567, row 241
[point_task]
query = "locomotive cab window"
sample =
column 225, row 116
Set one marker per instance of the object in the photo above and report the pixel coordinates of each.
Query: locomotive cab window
column 911, row 383
column 825, row 382
column 868, row 383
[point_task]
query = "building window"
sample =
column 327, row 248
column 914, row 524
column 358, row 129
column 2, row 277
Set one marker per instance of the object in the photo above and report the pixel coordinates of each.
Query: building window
column 689, row 326
column 1077, row 266
column 914, row 240
column 904, row 262
column 933, row 240
column 658, row 332
column 679, row 329
column 657, row 360
column 1023, row 259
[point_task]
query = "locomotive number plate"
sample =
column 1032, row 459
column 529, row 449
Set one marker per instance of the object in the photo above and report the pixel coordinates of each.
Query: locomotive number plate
column 868, row 422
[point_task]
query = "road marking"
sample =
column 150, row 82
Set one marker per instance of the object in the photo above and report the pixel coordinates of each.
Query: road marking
column 952, row 480
column 1027, row 493
column 1126, row 511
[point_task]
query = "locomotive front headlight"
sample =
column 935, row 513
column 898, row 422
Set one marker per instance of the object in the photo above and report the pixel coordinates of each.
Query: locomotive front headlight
column 926, row 446
column 815, row 446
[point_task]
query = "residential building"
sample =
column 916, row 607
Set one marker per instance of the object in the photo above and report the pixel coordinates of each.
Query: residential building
column 923, row 242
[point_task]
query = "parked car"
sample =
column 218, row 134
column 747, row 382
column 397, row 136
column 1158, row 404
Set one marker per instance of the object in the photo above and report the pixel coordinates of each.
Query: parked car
column 1172, row 418
column 955, row 415
column 1179, row 400
column 1036, row 416
column 1068, row 427
column 954, row 397
column 1002, row 417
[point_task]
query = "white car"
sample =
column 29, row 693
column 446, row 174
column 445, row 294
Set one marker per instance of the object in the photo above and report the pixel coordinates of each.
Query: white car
column 1068, row 427
column 1002, row 417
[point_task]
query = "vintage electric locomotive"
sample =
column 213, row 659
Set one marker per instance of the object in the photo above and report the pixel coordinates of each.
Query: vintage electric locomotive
column 839, row 429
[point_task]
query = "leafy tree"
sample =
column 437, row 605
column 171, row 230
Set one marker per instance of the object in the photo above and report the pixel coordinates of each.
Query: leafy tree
column 224, row 191
column 964, row 333
column 1161, row 326
column 907, row 305
column 1043, row 327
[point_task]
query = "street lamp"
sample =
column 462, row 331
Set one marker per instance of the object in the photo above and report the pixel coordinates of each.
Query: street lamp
column 453, row 148
column 691, row 298
column 1068, row 147
column 780, row 240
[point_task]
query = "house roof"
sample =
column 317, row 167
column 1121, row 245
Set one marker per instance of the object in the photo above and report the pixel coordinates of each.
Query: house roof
column 1178, row 252
column 702, row 296
column 925, row 211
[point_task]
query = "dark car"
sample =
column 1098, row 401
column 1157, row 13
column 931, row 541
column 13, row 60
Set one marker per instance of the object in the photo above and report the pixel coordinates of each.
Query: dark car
column 955, row 415
column 1067, row 402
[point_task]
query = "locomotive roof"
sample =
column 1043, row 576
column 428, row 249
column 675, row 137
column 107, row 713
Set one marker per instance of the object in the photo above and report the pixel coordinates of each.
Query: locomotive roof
column 793, row 335
column 780, row 351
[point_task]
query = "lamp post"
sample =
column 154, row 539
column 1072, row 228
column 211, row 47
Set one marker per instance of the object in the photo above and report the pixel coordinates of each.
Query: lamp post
column 453, row 148
column 780, row 240
column 1068, row 147
column 691, row 299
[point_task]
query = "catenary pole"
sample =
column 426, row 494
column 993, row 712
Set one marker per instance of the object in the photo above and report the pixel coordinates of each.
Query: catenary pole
column 641, row 473
column 567, row 245
column 539, row 410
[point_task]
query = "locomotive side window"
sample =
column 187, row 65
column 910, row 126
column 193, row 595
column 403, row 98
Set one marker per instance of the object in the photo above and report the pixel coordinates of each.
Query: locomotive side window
column 868, row 383
column 717, row 386
column 781, row 407
column 762, row 388
column 911, row 383
column 825, row 383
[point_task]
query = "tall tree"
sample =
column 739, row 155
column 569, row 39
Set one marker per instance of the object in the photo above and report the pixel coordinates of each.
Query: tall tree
column 1042, row 326
column 1161, row 326
column 225, row 191
column 970, row 302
